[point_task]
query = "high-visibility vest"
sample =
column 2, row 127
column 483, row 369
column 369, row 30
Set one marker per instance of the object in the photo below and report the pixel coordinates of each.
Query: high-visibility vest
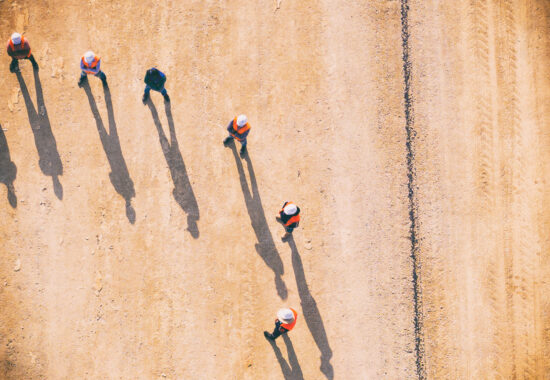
column 293, row 219
column 20, row 46
column 240, row 130
column 290, row 326
column 91, row 65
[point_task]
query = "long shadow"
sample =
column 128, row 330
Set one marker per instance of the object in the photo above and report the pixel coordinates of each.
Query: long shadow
column 8, row 170
column 292, row 369
column 183, row 191
column 311, row 312
column 49, row 160
column 265, row 246
column 119, row 175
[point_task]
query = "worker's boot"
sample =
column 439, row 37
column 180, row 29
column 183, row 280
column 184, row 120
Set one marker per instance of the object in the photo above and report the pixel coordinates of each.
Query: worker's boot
column 243, row 151
column 104, row 81
column 145, row 97
column 268, row 335
column 227, row 140
column 14, row 66
column 286, row 236
column 166, row 98
column 82, row 80
column 34, row 63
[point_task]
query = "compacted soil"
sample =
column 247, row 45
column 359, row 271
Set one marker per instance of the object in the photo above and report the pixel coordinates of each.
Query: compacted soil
column 414, row 136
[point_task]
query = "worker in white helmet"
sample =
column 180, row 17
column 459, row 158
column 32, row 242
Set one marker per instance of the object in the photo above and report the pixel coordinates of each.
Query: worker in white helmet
column 238, row 128
column 289, row 217
column 90, row 65
column 286, row 320
column 19, row 48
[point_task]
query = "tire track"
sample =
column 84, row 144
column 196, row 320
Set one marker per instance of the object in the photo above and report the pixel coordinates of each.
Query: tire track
column 481, row 30
column 484, row 126
column 520, row 252
column 411, row 184
column 508, row 128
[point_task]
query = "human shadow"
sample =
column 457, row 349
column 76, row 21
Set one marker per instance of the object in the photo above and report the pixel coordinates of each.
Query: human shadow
column 183, row 191
column 311, row 311
column 119, row 175
column 292, row 369
column 49, row 160
column 265, row 246
column 8, row 170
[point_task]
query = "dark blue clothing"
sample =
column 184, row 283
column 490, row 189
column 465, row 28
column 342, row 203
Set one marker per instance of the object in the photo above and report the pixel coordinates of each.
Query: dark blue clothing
column 148, row 90
column 155, row 79
column 240, row 136
column 96, row 69
column 285, row 218
column 279, row 330
column 100, row 74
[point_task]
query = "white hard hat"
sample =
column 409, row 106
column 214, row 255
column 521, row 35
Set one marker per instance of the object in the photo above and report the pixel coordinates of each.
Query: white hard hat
column 285, row 315
column 241, row 120
column 16, row 38
column 89, row 56
column 290, row 209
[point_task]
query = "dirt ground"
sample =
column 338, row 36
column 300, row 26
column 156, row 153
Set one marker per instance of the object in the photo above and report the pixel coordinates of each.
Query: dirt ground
column 414, row 135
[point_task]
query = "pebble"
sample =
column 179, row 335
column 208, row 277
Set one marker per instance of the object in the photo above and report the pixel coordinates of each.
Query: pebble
column 17, row 266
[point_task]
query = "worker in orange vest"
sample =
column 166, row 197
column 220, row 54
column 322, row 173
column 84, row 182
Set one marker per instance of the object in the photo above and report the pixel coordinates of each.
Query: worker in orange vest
column 238, row 128
column 90, row 64
column 286, row 320
column 289, row 216
column 19, row 48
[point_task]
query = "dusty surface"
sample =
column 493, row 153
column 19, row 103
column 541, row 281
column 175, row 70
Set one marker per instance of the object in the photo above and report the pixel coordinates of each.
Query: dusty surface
column 134, row 245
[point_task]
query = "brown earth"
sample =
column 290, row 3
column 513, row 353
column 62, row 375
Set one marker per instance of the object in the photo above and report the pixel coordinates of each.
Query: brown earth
column 134, row 245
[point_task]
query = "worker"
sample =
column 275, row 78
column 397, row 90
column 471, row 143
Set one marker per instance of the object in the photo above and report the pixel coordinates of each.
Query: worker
column 19, row 48
column 238, row 128
column 154, row 80
column 286, row 320
column 289, row 216
column 90, row 64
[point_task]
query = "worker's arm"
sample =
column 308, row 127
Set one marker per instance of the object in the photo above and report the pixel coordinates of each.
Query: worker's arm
column 243, row 135
column 98, row 67
column 162, row 80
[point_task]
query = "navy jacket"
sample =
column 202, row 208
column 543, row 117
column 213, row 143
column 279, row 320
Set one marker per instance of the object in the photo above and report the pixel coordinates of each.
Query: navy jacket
column 155, row 79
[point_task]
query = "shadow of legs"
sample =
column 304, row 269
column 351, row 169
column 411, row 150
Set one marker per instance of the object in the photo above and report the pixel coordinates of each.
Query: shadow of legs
column 311, row 312
column 266, row 246
column 49, row 160
column 183, row 191
column 8, row 170
column 291, row 370
column 292, row 359
column 119, row 175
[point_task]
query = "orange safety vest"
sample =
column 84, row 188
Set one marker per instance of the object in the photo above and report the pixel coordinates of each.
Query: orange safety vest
column 240, row 131
column 290, row 326
column 293, row 219
column 91, row 65
column 22, row 44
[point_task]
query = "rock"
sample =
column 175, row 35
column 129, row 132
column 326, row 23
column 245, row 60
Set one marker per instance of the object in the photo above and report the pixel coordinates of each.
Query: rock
column 98, row 283
column 17, row 266
column 308, row 245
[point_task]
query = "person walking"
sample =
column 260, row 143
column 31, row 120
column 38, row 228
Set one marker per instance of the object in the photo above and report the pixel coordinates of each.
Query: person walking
column 289, row 217
column 286, row 320
column 19, row 48
column 155, row 80
column 90, row 64
column 238, row 128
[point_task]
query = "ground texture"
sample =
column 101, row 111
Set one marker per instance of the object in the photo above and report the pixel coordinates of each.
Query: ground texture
column 414, row 135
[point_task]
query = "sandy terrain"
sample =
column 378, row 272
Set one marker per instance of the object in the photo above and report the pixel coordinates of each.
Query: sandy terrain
column 414, row 135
